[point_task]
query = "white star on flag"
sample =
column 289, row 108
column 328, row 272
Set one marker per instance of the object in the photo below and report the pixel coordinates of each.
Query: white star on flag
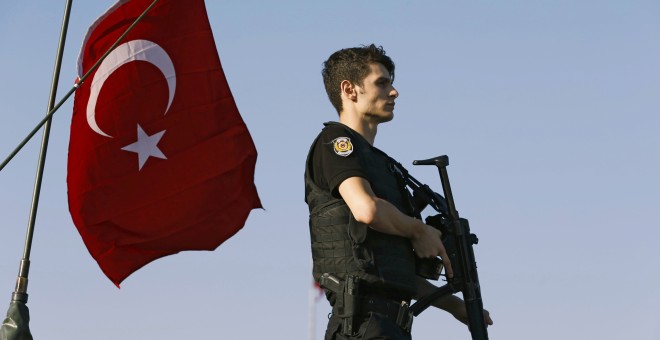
column 146, row 146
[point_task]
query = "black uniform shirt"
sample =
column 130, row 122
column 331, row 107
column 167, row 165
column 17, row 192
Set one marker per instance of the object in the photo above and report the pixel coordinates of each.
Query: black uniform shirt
column 334, row 158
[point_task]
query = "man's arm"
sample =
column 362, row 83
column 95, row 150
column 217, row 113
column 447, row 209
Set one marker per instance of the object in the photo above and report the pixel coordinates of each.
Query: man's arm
column 384, row 217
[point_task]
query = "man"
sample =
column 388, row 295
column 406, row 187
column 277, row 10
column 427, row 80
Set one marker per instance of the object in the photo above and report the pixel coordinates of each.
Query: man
column 364, row 240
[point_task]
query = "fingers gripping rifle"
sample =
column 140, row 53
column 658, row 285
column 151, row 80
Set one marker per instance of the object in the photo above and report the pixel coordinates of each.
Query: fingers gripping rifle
column 458, row 242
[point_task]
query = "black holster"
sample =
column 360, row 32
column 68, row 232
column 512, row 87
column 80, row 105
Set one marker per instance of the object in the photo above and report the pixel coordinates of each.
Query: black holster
column 351, row 306
column 347, row 299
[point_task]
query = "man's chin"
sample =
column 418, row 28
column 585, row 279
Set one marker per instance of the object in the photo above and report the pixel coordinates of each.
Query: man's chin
column 387, row 118
column 382, row 118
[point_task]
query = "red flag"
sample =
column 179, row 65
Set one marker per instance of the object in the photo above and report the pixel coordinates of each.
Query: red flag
column 160, row 160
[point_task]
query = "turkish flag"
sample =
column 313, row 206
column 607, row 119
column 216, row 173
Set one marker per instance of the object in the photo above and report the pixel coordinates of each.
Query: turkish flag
column 160, row 160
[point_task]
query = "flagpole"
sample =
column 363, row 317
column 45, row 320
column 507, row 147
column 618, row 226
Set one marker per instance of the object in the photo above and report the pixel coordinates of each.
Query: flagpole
column 311, row 313
column 82, row 79
column 20, row 292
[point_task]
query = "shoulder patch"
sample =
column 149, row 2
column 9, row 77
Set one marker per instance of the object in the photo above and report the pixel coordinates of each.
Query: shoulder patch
column 342, row 146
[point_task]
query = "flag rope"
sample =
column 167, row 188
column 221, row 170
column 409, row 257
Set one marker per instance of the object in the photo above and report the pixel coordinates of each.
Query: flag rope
column 74, row 88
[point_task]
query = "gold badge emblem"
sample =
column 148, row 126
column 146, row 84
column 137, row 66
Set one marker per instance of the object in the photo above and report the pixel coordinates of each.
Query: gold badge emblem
column 343, row 146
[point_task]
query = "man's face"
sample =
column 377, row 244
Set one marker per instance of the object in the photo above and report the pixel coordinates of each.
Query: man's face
column 375, row 98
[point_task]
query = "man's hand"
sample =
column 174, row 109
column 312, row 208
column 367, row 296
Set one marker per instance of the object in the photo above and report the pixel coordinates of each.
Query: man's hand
column 461, row 315
column 427, row 244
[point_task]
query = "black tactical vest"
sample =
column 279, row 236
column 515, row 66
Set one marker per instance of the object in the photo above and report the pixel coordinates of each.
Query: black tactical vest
column 341, row 245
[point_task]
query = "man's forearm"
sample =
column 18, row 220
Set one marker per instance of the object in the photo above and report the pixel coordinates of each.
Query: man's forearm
column 389, row 220
column 449, row 303
column 379, row 214
column 383, row 216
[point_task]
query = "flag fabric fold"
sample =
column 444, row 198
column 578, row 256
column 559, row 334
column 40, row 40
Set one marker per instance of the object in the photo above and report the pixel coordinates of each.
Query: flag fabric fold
column 160, row 159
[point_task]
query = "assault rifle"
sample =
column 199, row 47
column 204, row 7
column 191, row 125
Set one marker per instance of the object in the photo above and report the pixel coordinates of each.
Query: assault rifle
column 458, row 242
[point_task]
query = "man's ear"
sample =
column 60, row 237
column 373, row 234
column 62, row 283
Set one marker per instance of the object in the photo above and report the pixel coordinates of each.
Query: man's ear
column 348, row 90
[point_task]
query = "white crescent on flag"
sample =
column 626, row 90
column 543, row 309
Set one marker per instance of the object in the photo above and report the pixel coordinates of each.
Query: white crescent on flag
column 134, row 50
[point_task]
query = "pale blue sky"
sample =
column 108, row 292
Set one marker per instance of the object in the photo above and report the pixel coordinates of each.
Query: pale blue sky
column 548, row 111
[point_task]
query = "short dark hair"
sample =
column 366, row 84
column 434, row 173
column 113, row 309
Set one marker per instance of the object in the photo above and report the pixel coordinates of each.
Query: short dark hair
column 352, row 64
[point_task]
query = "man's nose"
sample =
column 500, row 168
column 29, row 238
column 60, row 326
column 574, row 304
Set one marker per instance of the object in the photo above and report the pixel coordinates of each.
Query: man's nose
column 394, row 93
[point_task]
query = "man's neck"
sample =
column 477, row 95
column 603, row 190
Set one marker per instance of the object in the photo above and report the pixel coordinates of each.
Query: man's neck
column 364, row 126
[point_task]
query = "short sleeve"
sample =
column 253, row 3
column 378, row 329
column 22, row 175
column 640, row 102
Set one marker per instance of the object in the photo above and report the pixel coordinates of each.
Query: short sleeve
column 335, row 158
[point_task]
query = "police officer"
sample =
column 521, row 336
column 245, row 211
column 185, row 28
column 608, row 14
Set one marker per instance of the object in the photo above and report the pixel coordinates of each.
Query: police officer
column 364, row 240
